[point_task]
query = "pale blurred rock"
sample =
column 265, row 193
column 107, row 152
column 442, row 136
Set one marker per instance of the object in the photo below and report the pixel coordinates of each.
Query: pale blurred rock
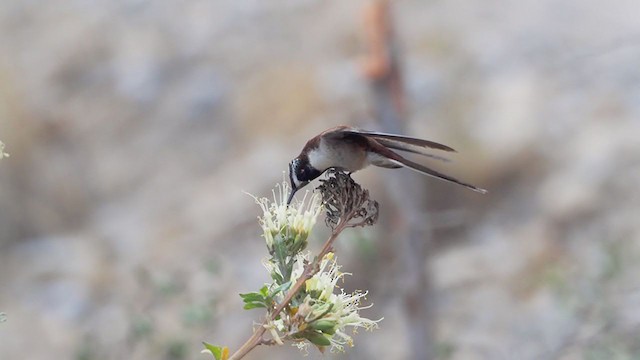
column 510, row 104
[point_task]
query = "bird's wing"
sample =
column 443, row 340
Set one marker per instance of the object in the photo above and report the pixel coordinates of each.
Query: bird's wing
column 401, row 139
column 397, row 142
column 396, row 145
column 381, row 146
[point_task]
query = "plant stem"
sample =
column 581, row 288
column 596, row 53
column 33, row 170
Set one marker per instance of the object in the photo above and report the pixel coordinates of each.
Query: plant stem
column 310, row 270
column 254, row 340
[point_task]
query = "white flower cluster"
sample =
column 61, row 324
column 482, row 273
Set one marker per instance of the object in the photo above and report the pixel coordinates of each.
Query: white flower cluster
column 317, row 313
column 330, row 313
column 281, row 222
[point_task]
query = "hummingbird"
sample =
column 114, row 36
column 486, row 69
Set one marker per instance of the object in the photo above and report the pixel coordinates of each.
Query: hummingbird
column 349, row 149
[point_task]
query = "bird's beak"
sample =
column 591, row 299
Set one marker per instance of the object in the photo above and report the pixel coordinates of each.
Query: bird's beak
column 292, row 181
column 293, row 191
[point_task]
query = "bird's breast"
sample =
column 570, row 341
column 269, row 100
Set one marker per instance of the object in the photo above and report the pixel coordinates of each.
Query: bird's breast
column 347, row 156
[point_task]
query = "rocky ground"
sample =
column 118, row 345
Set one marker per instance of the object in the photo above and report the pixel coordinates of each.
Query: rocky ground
column 134, row 127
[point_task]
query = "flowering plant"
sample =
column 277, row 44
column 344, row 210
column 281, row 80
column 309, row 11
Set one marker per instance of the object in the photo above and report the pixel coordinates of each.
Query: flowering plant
column 302, row 303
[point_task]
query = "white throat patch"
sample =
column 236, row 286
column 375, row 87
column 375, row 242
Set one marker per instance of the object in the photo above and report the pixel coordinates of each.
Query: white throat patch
column 319, row 159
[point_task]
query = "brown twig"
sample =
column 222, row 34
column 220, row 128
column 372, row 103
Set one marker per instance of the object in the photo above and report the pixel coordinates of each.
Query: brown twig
column 383, row 70
column 381, row 66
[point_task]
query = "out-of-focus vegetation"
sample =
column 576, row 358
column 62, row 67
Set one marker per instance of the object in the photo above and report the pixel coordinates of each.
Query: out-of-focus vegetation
column 134, row 127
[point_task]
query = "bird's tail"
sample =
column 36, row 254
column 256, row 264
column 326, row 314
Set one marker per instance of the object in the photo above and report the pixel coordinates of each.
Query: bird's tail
column 389, row 159
column 427, row 171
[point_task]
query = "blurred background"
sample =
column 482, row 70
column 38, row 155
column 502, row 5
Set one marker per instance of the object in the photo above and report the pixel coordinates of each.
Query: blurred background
column 135, row 126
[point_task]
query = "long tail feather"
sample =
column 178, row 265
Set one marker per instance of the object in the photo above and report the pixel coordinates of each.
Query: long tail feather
column 425, row 170
column 395, row 158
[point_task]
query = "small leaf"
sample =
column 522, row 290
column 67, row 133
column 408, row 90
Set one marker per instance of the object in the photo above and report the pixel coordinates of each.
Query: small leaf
column 317, row 338
column 324, row 326
column 254, row 305
column 283, row 287
column 264, row 291
column 252, row 297
column 218, row 352
column 277, row 277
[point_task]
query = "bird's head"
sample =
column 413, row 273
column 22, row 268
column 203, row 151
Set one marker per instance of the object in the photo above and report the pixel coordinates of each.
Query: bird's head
column 300, row 174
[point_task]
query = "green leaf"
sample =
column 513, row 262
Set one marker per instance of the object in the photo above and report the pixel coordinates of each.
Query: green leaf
column 218, row 352
column 254, row 305
column 277, row 277
column 317, row 338
column 264, row 291
column 324, row 326
column 279, row 247
column 252, row 297
column 283, row 287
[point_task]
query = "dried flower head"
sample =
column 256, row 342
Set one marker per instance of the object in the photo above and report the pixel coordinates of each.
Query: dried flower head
column 346, row 201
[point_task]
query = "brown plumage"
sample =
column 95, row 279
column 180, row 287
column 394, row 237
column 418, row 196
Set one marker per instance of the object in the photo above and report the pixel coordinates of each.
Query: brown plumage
column 350, row 149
